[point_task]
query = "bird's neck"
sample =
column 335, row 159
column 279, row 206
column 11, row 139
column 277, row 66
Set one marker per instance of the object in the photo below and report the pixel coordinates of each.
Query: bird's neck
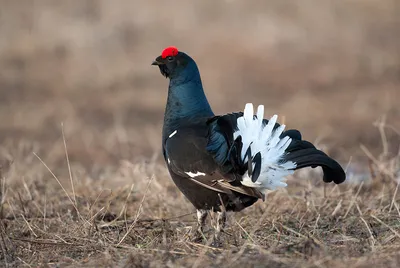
column 186, row 100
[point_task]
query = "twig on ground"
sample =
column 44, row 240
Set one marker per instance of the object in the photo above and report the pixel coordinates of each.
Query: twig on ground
column 68, row 164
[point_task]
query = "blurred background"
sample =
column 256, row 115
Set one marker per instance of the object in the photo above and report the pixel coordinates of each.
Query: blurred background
column 329, row 68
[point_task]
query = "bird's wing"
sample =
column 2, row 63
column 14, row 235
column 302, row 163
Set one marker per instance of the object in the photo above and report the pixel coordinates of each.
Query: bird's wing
column 186, row 155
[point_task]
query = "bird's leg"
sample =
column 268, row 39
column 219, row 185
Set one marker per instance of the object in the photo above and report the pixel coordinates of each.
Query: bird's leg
column 221, row 220
column 201, row 219
column 197, row 235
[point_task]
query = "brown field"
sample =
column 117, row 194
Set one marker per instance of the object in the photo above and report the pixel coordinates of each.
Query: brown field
column 83, row 183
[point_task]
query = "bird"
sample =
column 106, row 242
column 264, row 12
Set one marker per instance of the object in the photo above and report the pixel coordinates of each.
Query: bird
column 225, row 163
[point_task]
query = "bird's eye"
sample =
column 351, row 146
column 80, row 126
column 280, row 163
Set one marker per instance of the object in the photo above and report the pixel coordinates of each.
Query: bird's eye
column 170, row 58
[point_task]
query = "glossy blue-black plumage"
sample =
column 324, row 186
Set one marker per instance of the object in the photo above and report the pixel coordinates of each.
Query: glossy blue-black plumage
column 200, row 150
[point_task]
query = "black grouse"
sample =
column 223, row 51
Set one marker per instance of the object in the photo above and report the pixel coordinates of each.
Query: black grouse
column 225, row 163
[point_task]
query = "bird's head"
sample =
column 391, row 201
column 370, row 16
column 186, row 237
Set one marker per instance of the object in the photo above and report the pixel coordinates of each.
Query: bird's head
column 172, row 62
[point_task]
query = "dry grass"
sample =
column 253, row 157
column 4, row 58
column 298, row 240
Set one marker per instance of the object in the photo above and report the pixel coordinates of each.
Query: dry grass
column 82, row 180
column 148, row 222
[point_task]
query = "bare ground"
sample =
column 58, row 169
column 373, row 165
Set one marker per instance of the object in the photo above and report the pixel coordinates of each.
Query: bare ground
column 99, row 194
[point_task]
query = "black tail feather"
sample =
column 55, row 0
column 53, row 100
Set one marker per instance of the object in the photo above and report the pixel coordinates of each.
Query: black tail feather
column 304, row 154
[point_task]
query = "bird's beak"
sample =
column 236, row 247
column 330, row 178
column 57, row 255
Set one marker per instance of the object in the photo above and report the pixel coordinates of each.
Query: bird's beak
column 158, row 61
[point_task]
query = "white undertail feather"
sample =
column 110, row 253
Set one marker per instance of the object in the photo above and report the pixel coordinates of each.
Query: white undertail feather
column 262, row 138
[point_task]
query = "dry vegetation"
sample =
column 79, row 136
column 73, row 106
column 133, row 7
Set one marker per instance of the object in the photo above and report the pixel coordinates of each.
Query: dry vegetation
column 82, row 179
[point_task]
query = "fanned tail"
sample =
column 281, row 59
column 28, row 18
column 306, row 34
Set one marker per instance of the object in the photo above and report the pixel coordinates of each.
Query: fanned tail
column 267, row 154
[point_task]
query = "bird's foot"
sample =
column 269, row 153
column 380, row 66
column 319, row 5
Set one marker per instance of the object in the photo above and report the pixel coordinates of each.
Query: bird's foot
column 216, row 243
column 197, row 236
